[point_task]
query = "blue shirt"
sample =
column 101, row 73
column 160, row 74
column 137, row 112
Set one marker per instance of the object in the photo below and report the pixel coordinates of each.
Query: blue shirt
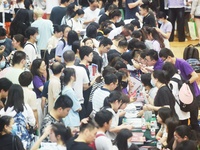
column 130, row 13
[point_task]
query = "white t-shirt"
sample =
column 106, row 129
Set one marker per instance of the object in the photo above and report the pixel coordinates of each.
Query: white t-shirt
column 52, row 146
column 103, row 142
column 30, row 97
column 89, row 14
column 32, row 51
column 75, row 25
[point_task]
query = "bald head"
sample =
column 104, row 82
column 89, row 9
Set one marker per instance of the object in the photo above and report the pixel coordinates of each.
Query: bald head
column 69, row 56
column 57, row 68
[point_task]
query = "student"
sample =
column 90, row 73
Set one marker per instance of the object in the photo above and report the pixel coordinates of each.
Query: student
column 60, row 110
column 86, row 136
column 104, row 119
column 58, row 134
column 185, row 145
column 189, row 75
column 115, row 17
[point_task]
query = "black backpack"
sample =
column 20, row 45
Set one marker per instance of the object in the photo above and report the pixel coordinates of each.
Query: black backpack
column 53, row 51
column 191, row 52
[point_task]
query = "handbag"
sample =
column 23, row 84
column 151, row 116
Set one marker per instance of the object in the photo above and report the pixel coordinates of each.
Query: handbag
column 14, row 143
column 192, row 30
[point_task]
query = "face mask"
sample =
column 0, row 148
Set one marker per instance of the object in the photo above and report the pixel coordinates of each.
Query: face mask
column 153, row 83
column 129, row 144
column 119, row 19
column 2, row 41
column 124, row 84
column 37, row 37
column 2, row 64
column 80, row 19
column 160, row 22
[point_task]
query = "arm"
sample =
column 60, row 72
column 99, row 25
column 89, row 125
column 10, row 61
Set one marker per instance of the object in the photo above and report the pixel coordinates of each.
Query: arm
column 194, row 77
column 134, row 4
column 118, row 128
column 165, row 35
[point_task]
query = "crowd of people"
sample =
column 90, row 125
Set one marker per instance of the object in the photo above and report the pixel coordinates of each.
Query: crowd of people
column 66, row 70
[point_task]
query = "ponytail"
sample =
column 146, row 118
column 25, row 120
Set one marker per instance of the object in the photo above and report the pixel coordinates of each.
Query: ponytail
column 114, row 95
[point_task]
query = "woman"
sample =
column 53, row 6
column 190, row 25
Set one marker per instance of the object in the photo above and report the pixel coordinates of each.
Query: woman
column 172, row 74
column 58, row 135
column 164, row 96
column 195, row 13
column 6, row 138
column 115, row 17
column 73, row 119
column 21, row 112
column 165, row 28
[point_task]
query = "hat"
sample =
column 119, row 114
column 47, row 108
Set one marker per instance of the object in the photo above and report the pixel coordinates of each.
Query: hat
column 185, row 94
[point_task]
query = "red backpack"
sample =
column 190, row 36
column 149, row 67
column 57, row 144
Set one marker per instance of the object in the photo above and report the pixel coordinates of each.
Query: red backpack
column 92, row 145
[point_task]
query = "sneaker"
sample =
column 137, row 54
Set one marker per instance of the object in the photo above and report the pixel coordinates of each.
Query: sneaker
column 197, row 45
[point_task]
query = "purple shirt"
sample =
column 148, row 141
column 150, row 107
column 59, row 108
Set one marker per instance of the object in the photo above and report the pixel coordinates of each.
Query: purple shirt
column 185, row 70
column 158, row 65
column 38, row 82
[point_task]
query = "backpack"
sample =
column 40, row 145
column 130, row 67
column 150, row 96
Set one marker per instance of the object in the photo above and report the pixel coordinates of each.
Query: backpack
column 53, row 51
column 92, row 145
column 195, row 64
column 183, row 93
column 20, row 130
column 191, row 52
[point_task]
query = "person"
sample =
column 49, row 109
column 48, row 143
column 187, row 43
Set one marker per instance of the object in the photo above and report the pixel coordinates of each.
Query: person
column 5, row 43
column 195, row 14
column 163, row 114
column 75, row 48
column 6, row 138
column 49, row 5
column 20, row 23
column 18, row 64
column 72, row 119
column 165, row 29
column 148, row 18
column 188, row 75
column 86, row 135
column 172, row 73
column 91, row 12
column 101, row 93
column 5, row 85
column 30, row 47
column 123, row 140
column 176, row 13
column 58, row 12
column 132, row 6
column 112, row 103
column 60, row 110
column 185, row 145
column 115, row 17
column 58, row 134
column 81, row 82
column 104, row 119
column 25, row 80
column 19, row 111
column 54, row 87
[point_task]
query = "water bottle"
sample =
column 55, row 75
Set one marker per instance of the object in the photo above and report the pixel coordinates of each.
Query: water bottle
column 159, row 144
column 153, row 126
column 143, row 124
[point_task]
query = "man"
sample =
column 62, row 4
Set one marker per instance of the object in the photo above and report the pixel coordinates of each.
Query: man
column 5, row 84
column 100, row 94
column 190, row 76
column 132, row 7
column 61, row 108
column 5, row 43
column 104, row 119
column 148, row 18
column 81, row 82
column 54, row 87
column 30, row 47
column 18, row 64
column 152, row 59
column 58, row 12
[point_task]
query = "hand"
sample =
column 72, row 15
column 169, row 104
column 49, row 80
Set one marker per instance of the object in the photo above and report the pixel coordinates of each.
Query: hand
column 130, row 127
column 47, row 131
column 2, row 48
column 84, row 121
column 141, row 112
column 132, row 98
column 137, row 14
column 144, row 70
column 94, row 19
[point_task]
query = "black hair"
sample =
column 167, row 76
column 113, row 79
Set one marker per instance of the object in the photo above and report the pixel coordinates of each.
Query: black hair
column 123, row 43
column 110, row 78
column 18, row 57
column 71, row 37
column 64, row 26
column 121, row 139
column 125, row 99
column 114, row 13
column 85, row 51
column 68, row 72
column 64, row 1
column 63, row 101
column 131, row 44
column 140, row 45
column 170, row 70
column 30, row 31
column 136, row 52
column 14, row 92
column 146, row 79
column 25, row 78
column 91, row 31
column 76, row 46
column 70, row 13
column 57, row 28
column 90, row 125
column 160, row 75
column 92, row 1
column 153, row 54
column 105, row 42
column 165, row 52
column 57, row 68
column 35, row 67
column 2, row 31
column 19, row 38
column 69, row 56
column 119, row 64
column 107, row 30
column 5, row 84
column 114, row 96
column 136, row 23
column 183, row 131
column 164, row 113
column 103, row 116
column 161, row 14
column 145, row 6
column 80, row 12
column 4, row 121
column 136, row 34
column 187, row 145
column 27, row 4
column 64, row 132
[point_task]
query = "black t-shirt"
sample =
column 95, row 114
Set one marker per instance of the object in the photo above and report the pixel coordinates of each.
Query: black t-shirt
column 6, row 142
column 112, row 53
column 103, row 18
column 149, row 20
column 78, row 146
column 57, row 14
